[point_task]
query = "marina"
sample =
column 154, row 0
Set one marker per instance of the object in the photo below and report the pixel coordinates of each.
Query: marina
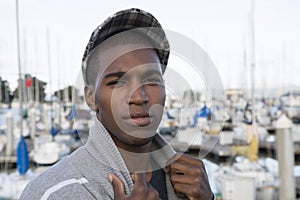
column 232, row 93
column 236, row 154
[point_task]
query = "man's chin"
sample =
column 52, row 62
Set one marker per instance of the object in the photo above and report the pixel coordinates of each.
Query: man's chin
column 140, row 141
column 140, row 134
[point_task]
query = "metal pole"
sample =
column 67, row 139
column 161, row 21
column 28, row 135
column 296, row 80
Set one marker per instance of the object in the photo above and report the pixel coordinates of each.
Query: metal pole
column 58, row 83
column 37, row 91
column 32, row 118
column 285, row 156
column 50, row 82
column 0, row 90
column 252, row 48
column 9, row 134
column 19, row 66
column 36, row 69
column 50, row 73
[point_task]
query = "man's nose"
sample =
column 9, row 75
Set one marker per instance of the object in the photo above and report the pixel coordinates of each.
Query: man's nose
column 138, row 96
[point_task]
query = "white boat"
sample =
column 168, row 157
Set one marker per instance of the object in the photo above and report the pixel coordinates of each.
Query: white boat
column 253, row 180
column 47, row 152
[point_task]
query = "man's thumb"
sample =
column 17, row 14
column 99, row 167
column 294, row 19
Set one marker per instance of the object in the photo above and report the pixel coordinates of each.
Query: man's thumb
column 118, row 186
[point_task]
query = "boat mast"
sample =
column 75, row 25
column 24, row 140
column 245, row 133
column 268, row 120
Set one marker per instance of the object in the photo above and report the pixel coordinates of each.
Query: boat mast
column 19, row 68
column 50, row 82
column 37, row 92
column 58, row 82
column 252, row 61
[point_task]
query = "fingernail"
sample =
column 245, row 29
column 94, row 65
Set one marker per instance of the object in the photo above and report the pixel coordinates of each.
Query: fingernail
column 167, row 169
column 133, row 177
column 110, row 178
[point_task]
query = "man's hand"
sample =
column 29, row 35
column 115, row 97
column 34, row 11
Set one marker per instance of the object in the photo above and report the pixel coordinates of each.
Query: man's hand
column 189, row 177
column 142, row 189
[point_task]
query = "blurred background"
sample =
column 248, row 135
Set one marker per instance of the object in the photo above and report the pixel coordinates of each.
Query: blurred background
column 249, row 138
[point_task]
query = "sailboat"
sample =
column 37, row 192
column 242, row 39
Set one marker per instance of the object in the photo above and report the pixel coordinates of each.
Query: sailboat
column 12, row 184
column 22, row 153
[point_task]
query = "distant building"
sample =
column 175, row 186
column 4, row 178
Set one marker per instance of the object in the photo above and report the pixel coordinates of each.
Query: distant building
column 68, row 94
column 6, row 96
column 33, row 89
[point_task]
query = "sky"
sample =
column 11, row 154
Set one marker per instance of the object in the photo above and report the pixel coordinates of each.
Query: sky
column 220, row 27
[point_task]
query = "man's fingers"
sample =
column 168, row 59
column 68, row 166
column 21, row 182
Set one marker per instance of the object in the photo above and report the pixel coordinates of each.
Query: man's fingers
column 185, row 159
column 189, row 177
column 118, row 186
column 194, row 192
column 190, row 160
column 189, row 190
column 191, row 180
column 187, row 169
column 142, row 189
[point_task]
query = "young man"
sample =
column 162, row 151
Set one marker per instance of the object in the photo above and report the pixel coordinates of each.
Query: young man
column 124, row 157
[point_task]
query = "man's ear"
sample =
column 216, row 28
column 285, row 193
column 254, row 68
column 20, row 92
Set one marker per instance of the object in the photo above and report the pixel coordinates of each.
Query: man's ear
column 90, row 98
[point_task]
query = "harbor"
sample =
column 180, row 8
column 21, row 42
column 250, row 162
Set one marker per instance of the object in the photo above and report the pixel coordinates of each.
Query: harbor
column 232, row 95
column 236, row 153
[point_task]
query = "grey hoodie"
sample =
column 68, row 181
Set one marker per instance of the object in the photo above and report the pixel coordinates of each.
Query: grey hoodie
column 84, row 174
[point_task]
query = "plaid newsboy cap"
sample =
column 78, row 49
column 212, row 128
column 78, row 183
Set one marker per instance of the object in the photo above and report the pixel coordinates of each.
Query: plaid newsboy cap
column 130, row 19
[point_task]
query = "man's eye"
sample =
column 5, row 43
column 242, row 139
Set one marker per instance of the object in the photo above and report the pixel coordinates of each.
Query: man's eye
column 116, row 83
column 152, row 81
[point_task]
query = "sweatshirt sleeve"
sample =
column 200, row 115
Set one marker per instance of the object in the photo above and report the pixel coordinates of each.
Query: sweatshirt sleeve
column 67, row 189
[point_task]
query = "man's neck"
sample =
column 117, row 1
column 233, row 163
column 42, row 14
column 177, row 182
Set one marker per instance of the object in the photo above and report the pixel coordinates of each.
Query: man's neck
column 136, row 162
column 136, row 157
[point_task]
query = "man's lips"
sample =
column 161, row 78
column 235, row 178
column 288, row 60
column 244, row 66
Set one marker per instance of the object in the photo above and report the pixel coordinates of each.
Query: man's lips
column 139, row 119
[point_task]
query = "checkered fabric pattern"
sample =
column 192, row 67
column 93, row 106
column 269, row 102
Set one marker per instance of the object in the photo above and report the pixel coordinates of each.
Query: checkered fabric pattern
column 130, row 19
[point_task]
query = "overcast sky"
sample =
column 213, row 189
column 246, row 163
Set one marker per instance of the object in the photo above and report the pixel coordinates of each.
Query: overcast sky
column 221, row 27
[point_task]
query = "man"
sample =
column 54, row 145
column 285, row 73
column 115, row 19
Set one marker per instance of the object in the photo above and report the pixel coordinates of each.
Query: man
column 124, row 157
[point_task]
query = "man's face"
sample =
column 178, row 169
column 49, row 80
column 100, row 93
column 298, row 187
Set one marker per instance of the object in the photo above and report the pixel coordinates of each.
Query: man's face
column 130, row 96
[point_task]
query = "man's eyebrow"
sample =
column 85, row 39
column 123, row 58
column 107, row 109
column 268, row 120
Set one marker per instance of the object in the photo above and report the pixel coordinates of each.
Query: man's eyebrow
column 152, row 72
column 115, row 74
